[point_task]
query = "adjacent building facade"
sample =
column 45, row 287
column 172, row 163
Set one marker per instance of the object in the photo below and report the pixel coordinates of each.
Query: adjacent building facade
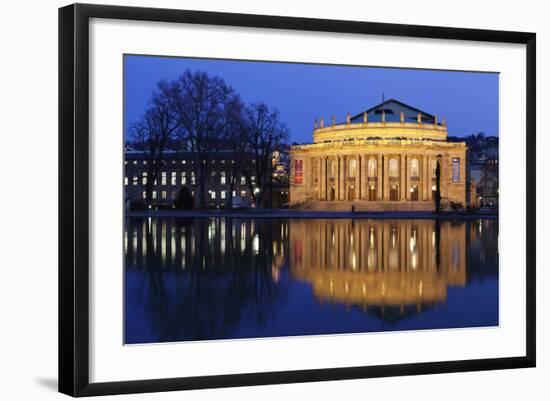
column 382, row 159
column 225, row 187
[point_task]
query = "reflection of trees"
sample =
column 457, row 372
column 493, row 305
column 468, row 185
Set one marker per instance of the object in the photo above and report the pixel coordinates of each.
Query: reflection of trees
column 216, row 280
column 483, row 249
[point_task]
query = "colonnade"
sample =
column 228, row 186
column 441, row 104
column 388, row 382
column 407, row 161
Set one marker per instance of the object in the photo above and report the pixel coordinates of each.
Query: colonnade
column 373, row 177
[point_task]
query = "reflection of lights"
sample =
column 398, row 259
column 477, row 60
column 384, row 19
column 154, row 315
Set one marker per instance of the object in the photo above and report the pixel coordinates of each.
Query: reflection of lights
column 393, row 238
column 414, row 261
column 182, row 246
column 333, row 239
column 346, row 287
column 480, row 225
column 420, row 287
column 433, row 239
column 364, row 288
column 383, row 289
column 351, row 239
column 371, row 237
column 163, row 242
column 173, row 247
column 331, row 286
column 256, row 244
column 353, row 261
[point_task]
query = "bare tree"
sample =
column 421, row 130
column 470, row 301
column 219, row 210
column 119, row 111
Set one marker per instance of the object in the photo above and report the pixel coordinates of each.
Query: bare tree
column 267, row 137
column 153, row 135
column 199, row 102
column 236, row 141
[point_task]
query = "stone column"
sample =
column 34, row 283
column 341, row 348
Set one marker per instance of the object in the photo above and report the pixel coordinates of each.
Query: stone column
column 425, row 178
column 323, row 183
column 403, row 170
column 379, row 177
column 386, row 186
column 408, row 179
column 345, row 178
column 341, row 164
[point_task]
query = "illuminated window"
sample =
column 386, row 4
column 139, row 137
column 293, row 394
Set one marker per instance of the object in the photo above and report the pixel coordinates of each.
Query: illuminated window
column 154, row 194
column 212, row 194
column 193, row 180
column 222, row 178
column 234, row 193
column 163, row 178
column 134, row 180
column 144, row 178
column 134, row 162
column 173, row 178
column 222, row 194
column 183, row 162
column 144, row 162
column 414, row 168
column 372, row 168
column 125, row 180
column 183, row 177
column 163, row 194
column 456, row 169
column 243, row 180
column 243, row 193
column 144, row 195
column 125, row 162
column 394, row 168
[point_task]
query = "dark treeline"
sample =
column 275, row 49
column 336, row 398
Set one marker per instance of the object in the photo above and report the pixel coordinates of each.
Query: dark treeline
column 203, row 115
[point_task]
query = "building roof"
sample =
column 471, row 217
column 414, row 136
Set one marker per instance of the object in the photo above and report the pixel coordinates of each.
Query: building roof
column 392, row 109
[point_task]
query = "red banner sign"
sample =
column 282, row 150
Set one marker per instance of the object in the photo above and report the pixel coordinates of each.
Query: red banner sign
column 298, row 172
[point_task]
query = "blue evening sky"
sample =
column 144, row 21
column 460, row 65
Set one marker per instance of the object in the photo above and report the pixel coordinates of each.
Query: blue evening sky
column 303, row 92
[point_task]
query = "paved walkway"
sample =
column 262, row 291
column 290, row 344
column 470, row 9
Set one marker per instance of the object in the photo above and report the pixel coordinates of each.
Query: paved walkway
column 301, row 214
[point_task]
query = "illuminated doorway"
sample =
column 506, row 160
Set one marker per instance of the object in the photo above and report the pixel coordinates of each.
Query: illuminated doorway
column 351, row 192
column 394, row 193
column 414, row 193
column 372, row 193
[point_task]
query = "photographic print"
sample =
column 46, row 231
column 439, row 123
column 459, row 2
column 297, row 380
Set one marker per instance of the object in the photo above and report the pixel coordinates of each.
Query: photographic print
column 268, row 199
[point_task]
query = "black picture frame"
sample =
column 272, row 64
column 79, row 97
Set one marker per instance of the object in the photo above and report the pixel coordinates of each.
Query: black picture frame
column 74, row 200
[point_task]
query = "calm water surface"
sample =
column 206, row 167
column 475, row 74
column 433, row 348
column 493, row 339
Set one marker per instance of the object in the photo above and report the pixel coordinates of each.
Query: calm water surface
column 220, row 278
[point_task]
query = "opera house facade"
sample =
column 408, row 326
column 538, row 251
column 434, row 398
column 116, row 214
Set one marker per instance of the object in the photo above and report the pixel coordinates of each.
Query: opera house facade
column 384, row 158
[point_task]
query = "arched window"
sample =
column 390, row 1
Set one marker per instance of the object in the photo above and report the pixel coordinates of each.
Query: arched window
column 414, row 168
column 394, row 169
column 352, row 168
column 372, row 168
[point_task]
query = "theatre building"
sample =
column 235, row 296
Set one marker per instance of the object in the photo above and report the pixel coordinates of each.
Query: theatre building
column 384, row 158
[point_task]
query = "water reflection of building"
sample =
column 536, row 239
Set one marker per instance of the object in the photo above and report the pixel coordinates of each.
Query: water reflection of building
column 378, row 262
column 214, row 243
